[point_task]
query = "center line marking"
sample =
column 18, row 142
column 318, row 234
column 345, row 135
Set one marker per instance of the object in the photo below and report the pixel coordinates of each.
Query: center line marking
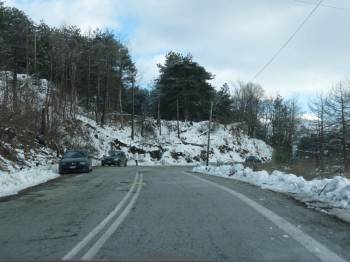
column 109, row 232
column 312, row 245
column 70, row 255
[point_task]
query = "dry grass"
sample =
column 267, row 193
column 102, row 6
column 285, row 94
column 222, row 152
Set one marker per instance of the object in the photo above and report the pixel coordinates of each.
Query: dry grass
column 306, row 168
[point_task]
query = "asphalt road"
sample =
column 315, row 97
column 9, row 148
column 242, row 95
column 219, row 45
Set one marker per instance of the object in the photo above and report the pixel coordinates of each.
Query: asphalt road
column 164, row 213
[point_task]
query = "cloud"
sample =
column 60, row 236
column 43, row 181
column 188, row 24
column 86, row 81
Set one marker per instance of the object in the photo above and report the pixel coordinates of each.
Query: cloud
column 232, row 39
column 82, row 13
column 147, row 67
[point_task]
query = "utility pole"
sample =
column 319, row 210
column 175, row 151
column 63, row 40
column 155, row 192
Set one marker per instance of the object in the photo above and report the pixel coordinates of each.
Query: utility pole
column 133, row 108
column 210, row 118
column 27, row 52
column 177, row 117
column 143, row 122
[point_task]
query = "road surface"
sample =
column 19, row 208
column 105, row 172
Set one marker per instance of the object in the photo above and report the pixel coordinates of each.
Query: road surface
column 164, row 213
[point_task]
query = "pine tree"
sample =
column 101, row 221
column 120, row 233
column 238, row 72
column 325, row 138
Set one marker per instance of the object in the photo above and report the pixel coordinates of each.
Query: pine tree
column 223, row 107
column 183, row 79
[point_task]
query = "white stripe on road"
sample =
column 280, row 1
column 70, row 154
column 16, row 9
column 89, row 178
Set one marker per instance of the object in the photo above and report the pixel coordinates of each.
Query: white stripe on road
column 102, row 240
column 101, row 225
column 315, row 247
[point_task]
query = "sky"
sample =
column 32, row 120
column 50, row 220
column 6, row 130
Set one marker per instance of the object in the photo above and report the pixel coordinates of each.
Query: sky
column 232, row 39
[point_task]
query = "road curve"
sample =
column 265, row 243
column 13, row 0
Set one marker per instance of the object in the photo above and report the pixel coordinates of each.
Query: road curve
column 163, row 213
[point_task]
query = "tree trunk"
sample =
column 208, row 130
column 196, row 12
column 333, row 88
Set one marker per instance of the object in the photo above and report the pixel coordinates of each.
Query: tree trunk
column 209, row 130
column 6, row 93
column 14, row 84
column 158, row 118
column 133, row 110
column 35, row 61
column 142, row 124
column 97, row 98
column 43, row 122
column 27, row 50
column 72, row 94
column 186, row 112
column 322, row 136
column 177, row 118
column 88, row 86
column 105, row 100
column 120, row 104
column 343, row 133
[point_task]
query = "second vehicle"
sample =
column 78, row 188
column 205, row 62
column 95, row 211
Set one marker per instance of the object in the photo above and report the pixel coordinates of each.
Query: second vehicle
column 115, row 157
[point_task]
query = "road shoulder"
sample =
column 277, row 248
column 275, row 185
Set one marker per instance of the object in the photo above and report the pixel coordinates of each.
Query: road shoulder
column 328, row 230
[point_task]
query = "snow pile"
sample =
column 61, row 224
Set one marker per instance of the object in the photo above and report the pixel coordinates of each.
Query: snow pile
column 167, row 148
column 331, row 196
column 12, row 183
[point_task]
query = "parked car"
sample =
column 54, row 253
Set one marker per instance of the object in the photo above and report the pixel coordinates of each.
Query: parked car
column 115, row 157
column 253, row 160
column 75, row 161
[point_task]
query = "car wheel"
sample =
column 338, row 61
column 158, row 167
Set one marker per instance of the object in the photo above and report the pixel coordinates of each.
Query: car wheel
column 125, row 163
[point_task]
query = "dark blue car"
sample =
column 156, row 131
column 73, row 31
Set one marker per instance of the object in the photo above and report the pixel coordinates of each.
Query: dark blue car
column 74, row 161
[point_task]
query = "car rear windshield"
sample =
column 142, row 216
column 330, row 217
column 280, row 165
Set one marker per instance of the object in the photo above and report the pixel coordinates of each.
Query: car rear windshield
column 74, row 154
column 116, row 153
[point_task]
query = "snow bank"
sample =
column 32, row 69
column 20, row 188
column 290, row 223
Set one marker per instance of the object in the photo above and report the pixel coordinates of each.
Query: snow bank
column 12, row 183
column 331, row 196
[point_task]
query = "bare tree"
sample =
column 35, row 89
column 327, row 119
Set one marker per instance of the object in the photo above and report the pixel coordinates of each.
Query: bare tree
column 318, row 107
column 338, row 116
column 246, row 101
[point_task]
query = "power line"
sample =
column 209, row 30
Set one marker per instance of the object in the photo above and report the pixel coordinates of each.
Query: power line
column 288, row 40
column 329, row 6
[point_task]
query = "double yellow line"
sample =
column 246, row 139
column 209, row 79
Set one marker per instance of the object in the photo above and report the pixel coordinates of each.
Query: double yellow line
column 94, row 241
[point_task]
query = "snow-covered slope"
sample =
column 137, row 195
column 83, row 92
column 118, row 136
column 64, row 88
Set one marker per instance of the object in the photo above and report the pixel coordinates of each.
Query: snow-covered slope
column 23, row 149
column 151, row 149
column 167, row 148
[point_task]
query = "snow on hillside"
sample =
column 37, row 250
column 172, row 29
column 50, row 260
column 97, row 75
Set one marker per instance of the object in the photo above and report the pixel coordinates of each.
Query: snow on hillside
column 152, row 149
column 36, row 165
column 227, row 144
column 169, row 149
column 331, row 196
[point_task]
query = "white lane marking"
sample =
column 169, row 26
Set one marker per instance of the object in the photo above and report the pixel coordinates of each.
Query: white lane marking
column 315, row 247
column 101, row 225
column 108, row 233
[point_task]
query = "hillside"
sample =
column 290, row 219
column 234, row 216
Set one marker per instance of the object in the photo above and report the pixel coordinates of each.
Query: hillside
column 33, row 138
column 153, row 149
column 167, row 148
column 22, row 146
